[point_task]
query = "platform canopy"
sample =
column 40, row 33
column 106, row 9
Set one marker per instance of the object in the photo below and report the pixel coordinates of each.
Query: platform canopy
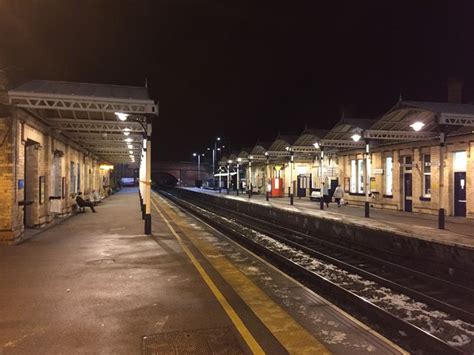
column 86, row 114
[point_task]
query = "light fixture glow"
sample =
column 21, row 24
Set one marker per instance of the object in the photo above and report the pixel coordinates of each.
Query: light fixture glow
column 130, row 146
column 356, row 137
column 316, row 145
column 194, row 154
column 126, row 131
column 130, row 151
column 218, row 138
column 251, row 157
column 229, row 161
column 239, row 159
column 128, row 140
column 106, row 167
column 418, row 125
column 122, row 116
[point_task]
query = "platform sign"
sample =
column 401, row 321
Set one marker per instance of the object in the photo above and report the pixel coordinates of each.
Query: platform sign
column 21, row 184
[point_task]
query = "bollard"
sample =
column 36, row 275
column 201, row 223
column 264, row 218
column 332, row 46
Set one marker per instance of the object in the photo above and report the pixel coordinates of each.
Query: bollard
column 291, row 199
column 367, row 209
column 267, row 195
column 441, row 218
column 321, row 203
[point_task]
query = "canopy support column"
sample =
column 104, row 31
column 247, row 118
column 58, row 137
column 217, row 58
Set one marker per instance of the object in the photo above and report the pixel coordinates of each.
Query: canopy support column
column 148, row 179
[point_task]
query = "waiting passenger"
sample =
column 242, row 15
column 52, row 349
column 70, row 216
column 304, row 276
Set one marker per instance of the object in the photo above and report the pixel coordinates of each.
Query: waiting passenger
column 82, row 203
column 326, row 197
column 338, row 195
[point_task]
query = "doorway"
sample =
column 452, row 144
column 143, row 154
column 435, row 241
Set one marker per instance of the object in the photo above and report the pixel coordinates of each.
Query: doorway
column 460, row 195
column 302, row 185
column 407, row 184
column 31, row 184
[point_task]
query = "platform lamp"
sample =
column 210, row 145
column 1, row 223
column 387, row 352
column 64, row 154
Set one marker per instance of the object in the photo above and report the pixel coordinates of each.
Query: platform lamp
column 321, row 187
column 249, row 187
column 267, row 186
column 239, row 160
column 145, row 123
column 356, row 138
column 290, row 188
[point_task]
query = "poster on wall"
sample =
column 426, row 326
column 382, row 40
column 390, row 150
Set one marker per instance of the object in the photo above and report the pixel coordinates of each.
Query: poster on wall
column 41, row 190
column 347, row 184
column 373, row 185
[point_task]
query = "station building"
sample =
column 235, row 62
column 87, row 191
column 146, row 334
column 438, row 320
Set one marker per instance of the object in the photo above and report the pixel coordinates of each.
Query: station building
column 417, row 157
column 57, row 140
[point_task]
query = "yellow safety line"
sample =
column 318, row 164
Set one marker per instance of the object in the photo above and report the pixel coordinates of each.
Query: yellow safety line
column 289, row 333
column 239, row 324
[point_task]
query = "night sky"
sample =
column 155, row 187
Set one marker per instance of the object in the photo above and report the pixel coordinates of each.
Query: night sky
column 246, row 70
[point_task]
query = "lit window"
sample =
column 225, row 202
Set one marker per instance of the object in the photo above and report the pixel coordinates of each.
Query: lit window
column 353, row 176
column 427, row 175
column 360, row 175
column 388, row 176
column 459, row 161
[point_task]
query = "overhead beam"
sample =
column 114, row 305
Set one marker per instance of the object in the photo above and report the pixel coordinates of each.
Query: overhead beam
column 341, row 143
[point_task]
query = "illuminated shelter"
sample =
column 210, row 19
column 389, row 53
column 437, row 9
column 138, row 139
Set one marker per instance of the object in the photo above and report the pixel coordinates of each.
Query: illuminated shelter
column 422, row 170
column 61, row 133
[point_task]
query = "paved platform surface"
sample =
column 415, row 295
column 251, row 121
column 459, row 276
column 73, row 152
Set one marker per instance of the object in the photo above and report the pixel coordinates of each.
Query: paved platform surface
column 96, row 284
column 459, row 231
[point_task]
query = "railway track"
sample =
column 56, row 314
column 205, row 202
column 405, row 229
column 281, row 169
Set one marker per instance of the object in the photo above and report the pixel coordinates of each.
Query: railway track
column 429, row 314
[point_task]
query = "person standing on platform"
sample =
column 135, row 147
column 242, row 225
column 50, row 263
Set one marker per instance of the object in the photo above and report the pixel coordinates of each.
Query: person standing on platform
column 326, row 194
column 338, row 195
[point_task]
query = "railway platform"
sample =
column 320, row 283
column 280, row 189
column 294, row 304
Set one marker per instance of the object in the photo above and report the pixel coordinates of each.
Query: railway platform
column 459, row 231
column 96, row 284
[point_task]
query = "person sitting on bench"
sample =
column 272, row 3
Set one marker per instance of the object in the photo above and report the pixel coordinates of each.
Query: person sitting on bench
column 83, row 204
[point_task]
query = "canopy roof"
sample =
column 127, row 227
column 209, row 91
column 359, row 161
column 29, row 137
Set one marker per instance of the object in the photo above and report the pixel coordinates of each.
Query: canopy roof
column 85, row 113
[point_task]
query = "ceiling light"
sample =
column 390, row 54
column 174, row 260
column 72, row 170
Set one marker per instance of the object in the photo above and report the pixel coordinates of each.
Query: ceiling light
column 122, row 116
column 128, row 140
column 316, row 145
column 418, row 125
column 356, row 137
column 130, row 146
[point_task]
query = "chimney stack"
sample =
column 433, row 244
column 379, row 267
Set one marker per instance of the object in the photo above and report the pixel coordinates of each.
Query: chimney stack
column 455, row 90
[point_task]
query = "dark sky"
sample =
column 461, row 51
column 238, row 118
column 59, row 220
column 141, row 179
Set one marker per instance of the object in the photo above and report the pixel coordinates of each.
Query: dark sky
column 246, row 70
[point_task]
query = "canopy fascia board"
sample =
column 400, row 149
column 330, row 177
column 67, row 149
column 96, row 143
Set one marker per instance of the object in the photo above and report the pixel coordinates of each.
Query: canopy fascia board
column 456, row 120
column 398, row 135
column 81, row 103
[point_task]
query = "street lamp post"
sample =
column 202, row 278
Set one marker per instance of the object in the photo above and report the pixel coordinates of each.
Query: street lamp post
column 198, row 155
column 214, row 155
column 220, row 179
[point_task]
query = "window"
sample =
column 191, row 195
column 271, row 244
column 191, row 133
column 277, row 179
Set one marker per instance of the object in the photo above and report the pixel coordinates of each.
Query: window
column 459, row 161
column 360, row 175
column 407, row 163
column 426, row 175
column 72, row 175
column 388, row 176
column 353, row 177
